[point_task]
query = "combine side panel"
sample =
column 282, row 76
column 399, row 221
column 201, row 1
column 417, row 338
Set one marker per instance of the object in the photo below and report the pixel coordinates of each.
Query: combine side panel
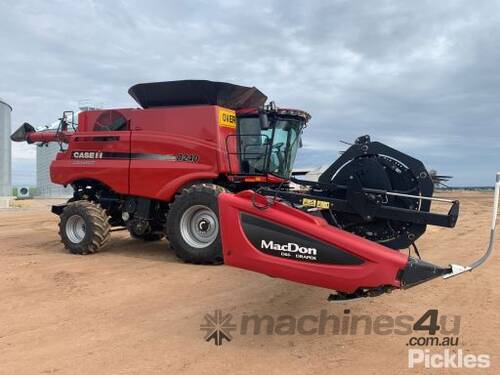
column 281, row 241
column 171, row 148
column 103, row 156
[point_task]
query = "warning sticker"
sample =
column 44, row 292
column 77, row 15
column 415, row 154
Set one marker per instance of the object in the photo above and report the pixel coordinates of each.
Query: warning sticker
column 323, row 204
column 309, row 202
column 315, row 203
column 227, row 118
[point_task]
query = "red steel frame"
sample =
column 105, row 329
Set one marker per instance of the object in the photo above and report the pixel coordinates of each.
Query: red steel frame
column 381, row 265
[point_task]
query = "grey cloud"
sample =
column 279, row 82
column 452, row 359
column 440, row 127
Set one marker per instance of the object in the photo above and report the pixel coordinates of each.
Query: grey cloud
column 422, row 76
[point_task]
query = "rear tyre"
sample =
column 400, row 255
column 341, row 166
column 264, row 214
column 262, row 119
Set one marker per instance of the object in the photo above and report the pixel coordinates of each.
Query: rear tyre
column 84, row 227
column 193, row 224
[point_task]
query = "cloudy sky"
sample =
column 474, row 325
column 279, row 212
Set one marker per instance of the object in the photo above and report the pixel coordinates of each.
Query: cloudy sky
column 422, row 76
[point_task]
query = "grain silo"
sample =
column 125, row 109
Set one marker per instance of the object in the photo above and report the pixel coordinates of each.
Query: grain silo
column 5, row 150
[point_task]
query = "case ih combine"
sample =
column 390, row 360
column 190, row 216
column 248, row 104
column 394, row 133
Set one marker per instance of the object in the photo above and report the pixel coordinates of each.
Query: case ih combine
column 207, row 164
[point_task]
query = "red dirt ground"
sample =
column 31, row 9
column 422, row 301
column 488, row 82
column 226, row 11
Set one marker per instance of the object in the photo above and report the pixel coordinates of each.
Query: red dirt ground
column 135, row 309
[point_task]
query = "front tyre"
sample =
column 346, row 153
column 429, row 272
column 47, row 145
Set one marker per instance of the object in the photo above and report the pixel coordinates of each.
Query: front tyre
column 193, row 224
column 84, row 227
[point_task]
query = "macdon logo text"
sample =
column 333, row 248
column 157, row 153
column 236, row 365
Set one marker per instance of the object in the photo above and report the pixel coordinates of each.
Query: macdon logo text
column 289, row 247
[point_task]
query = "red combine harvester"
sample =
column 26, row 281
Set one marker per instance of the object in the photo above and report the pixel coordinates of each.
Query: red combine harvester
column 207, row 164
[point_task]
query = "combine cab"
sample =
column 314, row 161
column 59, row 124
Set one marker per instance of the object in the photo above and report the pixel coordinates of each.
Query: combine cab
column 208, row 165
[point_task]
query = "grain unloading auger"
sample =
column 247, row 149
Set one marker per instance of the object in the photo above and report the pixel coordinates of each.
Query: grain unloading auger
column 208, row 165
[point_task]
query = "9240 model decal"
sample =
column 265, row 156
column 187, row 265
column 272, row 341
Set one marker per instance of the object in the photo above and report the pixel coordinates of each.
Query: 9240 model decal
column 191, row 158
column 95, row 155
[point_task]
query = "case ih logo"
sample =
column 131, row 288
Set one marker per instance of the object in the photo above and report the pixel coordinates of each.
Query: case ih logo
column 87, row 155
column 289, row 248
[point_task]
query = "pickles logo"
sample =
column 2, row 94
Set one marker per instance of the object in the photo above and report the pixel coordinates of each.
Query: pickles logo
column 447, row 359
column 227, row 118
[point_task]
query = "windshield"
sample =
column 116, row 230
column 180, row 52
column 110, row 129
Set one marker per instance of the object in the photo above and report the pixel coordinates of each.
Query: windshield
column 268, row 151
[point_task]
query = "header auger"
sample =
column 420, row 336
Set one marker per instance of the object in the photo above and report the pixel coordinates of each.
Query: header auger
column 207, row 165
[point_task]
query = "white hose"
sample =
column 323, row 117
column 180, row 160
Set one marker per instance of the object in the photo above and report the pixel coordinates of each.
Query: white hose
column 481, row 260
column 457, row 269
column 495, row 204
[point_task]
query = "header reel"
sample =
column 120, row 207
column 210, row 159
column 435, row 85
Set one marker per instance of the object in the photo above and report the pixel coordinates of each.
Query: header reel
column 375, row 192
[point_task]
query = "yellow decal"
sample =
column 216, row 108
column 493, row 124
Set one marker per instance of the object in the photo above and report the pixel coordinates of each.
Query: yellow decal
column 227, row 118
column 323, row 204
column 314, row 203
column 309, row 202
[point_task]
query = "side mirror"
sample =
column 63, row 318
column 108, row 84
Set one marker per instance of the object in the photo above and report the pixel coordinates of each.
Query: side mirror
column 264, row 121
column 68, row 118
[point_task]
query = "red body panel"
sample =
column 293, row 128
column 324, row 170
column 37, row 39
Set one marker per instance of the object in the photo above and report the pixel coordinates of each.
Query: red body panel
column 111, row 172
column 174, row 131
column 161, row 150
column 380, row 265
